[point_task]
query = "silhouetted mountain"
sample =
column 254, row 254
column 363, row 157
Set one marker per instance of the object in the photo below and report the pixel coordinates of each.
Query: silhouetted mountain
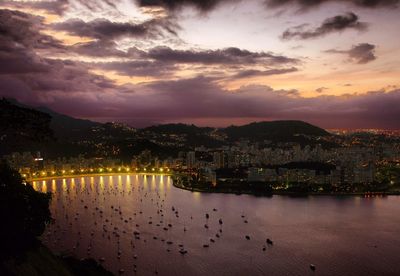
column 66, row 127
column 273, row 130
column 63, row 126
column 91, row 139
column 178, row 129
column 21, row 127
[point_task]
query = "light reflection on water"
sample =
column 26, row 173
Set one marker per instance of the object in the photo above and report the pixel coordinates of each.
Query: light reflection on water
column 340, row 235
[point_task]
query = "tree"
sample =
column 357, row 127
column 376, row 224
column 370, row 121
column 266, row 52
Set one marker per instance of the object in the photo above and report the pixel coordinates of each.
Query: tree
column 24, row 212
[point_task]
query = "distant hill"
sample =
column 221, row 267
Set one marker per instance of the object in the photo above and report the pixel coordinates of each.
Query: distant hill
column 22, row 128
column 63, row 126
column 178, row 129
column 273, row 130
column 28, row 129
column 67, row 126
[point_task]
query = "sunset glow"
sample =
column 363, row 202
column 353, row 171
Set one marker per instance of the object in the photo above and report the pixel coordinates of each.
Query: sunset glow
column 333, row 63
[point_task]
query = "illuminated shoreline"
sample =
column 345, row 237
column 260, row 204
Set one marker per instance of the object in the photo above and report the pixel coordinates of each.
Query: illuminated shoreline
column 93, row 174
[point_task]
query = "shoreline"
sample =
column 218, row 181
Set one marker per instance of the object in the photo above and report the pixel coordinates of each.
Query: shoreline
column 91, row 174
column 223, row 191
column 283, row 193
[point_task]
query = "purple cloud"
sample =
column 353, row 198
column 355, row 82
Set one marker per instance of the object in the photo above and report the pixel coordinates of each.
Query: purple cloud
column 361, row 53
column 334, row 24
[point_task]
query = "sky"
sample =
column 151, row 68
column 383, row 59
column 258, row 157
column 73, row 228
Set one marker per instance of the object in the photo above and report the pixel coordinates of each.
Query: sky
column 333, row 63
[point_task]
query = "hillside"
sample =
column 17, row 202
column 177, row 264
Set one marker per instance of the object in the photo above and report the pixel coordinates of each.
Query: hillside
column 178, row 129
column 73, row 137
column 63, row 126
column 66, row 126
column 274, row 130
column 22, row 127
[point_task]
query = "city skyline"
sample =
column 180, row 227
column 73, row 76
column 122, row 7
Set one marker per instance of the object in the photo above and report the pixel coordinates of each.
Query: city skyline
column 215, row 63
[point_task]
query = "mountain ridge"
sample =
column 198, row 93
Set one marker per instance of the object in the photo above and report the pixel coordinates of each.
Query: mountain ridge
column 76, row 136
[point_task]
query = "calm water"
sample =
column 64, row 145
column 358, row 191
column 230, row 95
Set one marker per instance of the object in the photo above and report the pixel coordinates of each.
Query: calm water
column 341, row 236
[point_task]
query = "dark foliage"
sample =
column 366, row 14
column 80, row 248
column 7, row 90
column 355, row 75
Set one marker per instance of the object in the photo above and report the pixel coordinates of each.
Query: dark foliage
column 23, row 212
column 178, row 129
column 275, row 130
column 22, row 128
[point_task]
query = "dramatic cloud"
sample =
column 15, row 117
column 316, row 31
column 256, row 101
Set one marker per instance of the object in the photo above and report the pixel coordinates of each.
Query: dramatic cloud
column 202, row 5
column 361, row 53
column 98, row 48
column 164, row 61
column 257, row 73
column 51, row 6
column 201, row 99
column 60, row 6
column 105, row 29
column 18, row 29
column 138, row 68
column 224, row 56
column 306, row 4
column 334, row 24
column 75, row 61
column 20, row 39
column 208, row 5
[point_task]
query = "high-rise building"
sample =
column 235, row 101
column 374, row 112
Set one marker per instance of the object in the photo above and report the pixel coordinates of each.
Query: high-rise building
column 218, row 159
column 39, row 161
column 191, row 159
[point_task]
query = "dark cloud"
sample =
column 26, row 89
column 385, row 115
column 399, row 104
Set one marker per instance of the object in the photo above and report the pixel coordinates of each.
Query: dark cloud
column 361, row 53
column 334, row 24
column 20, row 40
column 321, row 89
column 200, row 99
column 307, row 4
column 54, row 7
column 60, row 6
column 201, row 5
column 24, row 71
column 164, row 61
column 18, row 29
column 256, row 73
column 222, row 56
column 71, row 87
column 208, row 5
column 98, row 48
column 138, row 68
column 105, row 29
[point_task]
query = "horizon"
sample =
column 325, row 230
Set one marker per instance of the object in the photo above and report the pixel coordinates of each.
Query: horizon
column 207, row 63
column 12, row 100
